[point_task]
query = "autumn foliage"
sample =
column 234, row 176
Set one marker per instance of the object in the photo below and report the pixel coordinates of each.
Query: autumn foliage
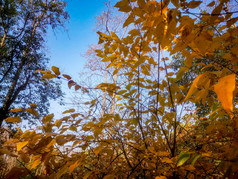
column 152, row 129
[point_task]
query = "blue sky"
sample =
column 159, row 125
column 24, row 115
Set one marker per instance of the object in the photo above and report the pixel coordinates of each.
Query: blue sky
column 65, row 49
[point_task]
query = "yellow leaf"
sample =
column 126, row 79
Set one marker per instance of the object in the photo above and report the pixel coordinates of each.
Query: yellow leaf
column 16, row 110
column 73, row 128
column 224, row 90
column 36, row 163
column 21, row 145
column 33, row 105
column 181, row 72
column 72, row 167
column 55, row 70
column 194, row 86
column 123, row 6
column 47, row 118
column 69, row 111
column 42, row 71
column 13, row 119
column 32, row 111
column 160, row 177
column 49, row 76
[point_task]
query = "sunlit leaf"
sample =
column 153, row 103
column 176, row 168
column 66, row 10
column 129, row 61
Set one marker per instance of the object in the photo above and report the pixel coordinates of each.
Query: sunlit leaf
column 183, row 157
column 224, row 90
column 195, row 158
column 13, row 119
column 20, row 145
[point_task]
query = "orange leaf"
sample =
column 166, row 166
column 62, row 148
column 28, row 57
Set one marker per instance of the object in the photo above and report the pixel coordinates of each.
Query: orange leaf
column 21, row 145
column 224, row 90
column 160, row 177
column 67, row 76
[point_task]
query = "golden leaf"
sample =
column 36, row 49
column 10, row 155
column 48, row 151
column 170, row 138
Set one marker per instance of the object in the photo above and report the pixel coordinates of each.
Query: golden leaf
column 16, row 110
column 36, row 163
column 33, row 105
column 69, row 111
column 32, row 111
column 48, row 76
column 13, row 119
column 194, row 86
column 21, row 145
column 72, row 167
column 160, row 177
column 55, row 70
column 47, row 118
column 224, row 90
column 43, row 71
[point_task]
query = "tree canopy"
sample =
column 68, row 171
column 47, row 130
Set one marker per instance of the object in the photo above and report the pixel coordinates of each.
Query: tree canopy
column 141, row 121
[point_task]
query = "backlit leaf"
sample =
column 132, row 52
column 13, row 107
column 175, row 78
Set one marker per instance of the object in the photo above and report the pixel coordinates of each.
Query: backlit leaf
column 224, row 90
column 21, row 145
column 183, row 157
column 194, row 158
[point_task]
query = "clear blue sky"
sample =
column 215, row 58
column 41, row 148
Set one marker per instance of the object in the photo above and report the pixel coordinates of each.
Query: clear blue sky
column 65, row 49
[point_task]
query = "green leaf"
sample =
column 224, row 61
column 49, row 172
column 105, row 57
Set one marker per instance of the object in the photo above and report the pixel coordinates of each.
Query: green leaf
column 183, row 157
column 194, row 158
